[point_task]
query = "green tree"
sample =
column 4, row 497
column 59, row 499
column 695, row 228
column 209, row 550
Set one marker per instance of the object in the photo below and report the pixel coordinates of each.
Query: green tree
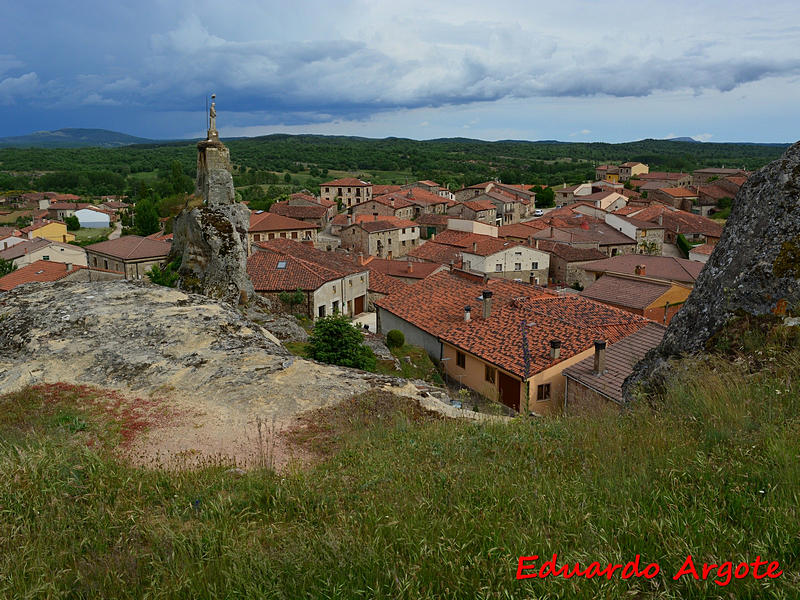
column 168, row 276
column 72, row 223
column 146, row 218
column 6, row 266
column 335, row 341
column 545, row 197
column 292, row 298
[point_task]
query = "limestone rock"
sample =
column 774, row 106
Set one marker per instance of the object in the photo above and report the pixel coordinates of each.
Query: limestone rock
column 754, row 269
column 211, row 244
column 214, row 180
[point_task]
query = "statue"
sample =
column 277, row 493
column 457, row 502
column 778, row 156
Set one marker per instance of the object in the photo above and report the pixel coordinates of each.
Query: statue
column 212, row 120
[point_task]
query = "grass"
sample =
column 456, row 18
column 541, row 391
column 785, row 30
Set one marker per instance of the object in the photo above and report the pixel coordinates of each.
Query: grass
column 85, row 234
column 414, row 364
column 405, row 505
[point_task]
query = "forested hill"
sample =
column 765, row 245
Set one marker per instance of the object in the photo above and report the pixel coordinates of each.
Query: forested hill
column 72, row 138
column 312, row 158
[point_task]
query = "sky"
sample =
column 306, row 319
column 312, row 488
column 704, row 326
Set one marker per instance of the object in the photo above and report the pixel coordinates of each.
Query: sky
column 569, row 70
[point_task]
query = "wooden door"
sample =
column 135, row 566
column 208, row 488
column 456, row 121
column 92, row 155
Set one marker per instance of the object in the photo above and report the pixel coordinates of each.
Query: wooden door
column 509, row 390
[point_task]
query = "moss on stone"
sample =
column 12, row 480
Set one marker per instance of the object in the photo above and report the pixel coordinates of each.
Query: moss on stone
column 787, row 263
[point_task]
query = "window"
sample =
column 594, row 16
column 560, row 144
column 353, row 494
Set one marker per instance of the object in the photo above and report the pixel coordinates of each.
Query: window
column 336, row 307
column 94, row 260
column 321, row 311
column 294, row 235
column 543, row 392
column 281, row 264
column 534, row 266
column 489, row 374
column 461, row 359
column 404, row 242
column 518, row 266
column 257, row 237
column 47, row 257
column 283, row 234
column 272, row 236
column 498, row 268
column 105, row 264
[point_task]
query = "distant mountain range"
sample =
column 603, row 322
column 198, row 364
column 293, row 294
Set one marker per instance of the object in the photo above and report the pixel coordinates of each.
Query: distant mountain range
column 683, row 139
column 72, row 138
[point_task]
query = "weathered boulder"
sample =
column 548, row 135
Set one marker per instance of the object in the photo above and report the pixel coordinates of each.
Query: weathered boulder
column 754, row 269
column 214, row 179
column 211, row 244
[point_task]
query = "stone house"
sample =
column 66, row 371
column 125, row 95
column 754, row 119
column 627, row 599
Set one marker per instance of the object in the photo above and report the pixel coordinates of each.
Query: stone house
column 629, row 170
column 566, row 262
column 682, row 198
column 664, row 179
column 328, row 282
column 431, row 225
column 704, row 176
column 266, row 226
column 348, row 191
column 654, row 299
column 389, row 205
column 483, row 211
column 665, row 268
column 384, row 237
column 595, row 383
column 649, row 236
column 130, row 254
column 573, row 193
column 695, row 228
column 607, row 173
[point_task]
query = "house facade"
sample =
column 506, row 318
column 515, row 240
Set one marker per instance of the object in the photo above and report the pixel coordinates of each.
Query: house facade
column 130, row 254
column 265, row 226
column 347, row 191
column 383, row 237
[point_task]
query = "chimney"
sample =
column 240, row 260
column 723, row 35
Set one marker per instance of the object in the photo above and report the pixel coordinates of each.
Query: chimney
column 361, row 258
column 467, row 311
column 599, row 357
column 391, row 202
column 474, row 246
column 487, row 304
column 641, row 270
column 555, row 349
column 349, row 220
column 410, row 268
column 661, row 220
column 69, row 267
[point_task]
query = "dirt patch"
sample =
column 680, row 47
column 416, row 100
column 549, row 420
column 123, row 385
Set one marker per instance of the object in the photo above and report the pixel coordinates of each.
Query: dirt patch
column 322, row 432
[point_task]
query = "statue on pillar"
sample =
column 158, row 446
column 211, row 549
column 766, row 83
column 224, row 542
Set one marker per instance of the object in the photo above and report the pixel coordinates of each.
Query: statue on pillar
column 213, row 134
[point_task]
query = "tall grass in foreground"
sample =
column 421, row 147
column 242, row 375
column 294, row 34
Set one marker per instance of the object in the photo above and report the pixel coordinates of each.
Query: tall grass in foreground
column 423, row 508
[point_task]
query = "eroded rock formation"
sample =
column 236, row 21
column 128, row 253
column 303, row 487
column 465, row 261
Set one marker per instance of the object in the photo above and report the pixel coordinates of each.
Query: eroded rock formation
column 754, row 269
column 211, row 241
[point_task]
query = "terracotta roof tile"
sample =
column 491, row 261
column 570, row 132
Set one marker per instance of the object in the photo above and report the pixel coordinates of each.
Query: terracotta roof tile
column 269, row 221
column 23, row 248
column 659, row 267
column 298, row 212
column 570, row 253
column 132, row 247
column 441, row 254
column 39, row 271
column 631, row 292
column 679, row 221
column 402, row 268
column 621, row 357
column 383, row 284
column 286, row 265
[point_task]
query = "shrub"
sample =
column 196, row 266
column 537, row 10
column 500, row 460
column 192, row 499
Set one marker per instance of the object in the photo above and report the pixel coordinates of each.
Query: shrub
column 72, row 223
column 395, row 338
column 168, row 276
column 335, row 341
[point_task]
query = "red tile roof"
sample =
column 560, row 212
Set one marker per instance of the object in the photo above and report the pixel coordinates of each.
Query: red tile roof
column 380, row 190
column 715, row 191
column 576, row 322
column 374, row 224
column 679, row 192
column 478, row 205
column 160, row 235
column 679, row 221
column 520, row 230
column 658, row 267
column 433, row 219
column 268, row 221
column 436, row 305
column 428, row 182
column 661, row 175
column 570, row 253
column 402, row 268
column 68, row 205
column 298, row 212
column 39, row 271
column 39, row 224
column 705, row 249
column 400, row 200
column 132, row 247
column 621, row 356
column 23, row 248
column 380, row 283
column 631, row 292
column 346, row 182
column 303, row 267
column 441, row 254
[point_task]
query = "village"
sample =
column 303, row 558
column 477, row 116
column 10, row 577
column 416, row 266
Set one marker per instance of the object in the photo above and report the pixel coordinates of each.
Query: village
column 542, row 310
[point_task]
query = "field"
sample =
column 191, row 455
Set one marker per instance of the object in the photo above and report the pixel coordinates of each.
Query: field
column 402, row 504
column 85, row 233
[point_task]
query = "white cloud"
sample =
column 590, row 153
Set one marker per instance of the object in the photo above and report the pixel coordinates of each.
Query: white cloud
column 703, row 137
column 16, row 88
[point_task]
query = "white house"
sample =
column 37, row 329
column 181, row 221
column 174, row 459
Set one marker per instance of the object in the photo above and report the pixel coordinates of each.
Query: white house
column 509, row 260
column 92, row 218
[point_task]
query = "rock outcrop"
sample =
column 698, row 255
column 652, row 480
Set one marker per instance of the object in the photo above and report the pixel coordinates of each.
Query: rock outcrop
column 211, row 241
column 754, row 269
column 220, row 372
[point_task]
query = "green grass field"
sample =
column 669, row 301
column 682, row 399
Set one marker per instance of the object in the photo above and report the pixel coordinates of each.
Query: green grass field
column 86, row 233
column 407, row 505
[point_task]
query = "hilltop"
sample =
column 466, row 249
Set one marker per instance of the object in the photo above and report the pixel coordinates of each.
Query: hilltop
column 72, row 138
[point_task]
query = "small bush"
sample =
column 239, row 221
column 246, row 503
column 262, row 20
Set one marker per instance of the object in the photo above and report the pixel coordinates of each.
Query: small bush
column 395, row 338
column 335, row 341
